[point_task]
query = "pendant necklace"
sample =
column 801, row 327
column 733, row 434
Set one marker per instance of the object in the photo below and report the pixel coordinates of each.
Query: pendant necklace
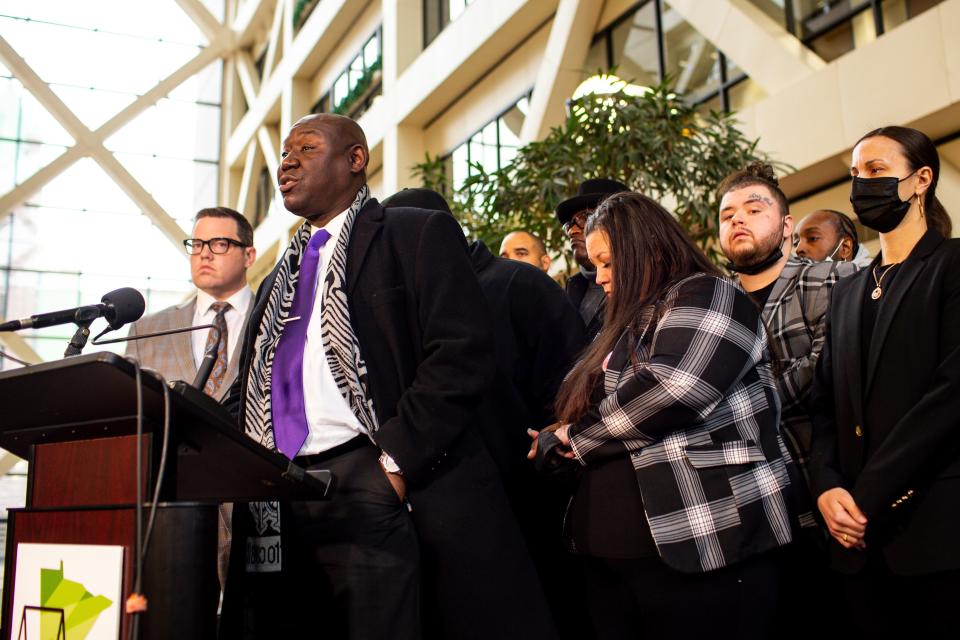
column 878, row 291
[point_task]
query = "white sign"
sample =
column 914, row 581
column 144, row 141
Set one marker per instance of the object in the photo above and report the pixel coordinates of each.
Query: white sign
column 67, row 591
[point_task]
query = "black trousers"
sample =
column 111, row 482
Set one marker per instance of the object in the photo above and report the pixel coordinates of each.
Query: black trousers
column 479, row 582
column 350, row 565
column 809, row 590
column 882, row 604
column 643, row 598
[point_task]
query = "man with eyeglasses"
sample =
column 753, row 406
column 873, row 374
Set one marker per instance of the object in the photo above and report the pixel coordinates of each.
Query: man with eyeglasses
column 221, row 250
column 582, row 288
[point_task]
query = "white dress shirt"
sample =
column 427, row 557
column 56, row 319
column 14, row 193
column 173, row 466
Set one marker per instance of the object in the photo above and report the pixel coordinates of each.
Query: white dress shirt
column 330, row 421
column 234, row 317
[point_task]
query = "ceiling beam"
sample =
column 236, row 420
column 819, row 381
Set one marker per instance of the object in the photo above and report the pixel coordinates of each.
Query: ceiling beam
column 34, row 183
column 212, row 28
column 316, row 38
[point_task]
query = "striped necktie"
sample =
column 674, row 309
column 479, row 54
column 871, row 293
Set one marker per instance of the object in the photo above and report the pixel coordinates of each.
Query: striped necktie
column 220, row 366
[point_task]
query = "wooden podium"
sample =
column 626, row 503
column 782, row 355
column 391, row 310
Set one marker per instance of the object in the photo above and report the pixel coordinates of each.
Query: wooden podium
column 74, row 420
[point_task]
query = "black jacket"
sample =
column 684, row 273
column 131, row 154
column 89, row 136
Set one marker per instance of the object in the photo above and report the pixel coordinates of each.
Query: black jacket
column 424, row 331
column 893, row 439
column 577, row 287
column 538, row 335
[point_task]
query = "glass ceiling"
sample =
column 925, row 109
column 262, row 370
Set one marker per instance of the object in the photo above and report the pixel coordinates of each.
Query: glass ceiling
column 80, row 235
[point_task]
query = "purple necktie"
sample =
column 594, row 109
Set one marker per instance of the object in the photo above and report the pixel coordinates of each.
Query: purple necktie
column 289, row 415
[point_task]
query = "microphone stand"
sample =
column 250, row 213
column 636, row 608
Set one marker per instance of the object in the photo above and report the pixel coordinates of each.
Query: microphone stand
column 209, row 354
column 83, row 318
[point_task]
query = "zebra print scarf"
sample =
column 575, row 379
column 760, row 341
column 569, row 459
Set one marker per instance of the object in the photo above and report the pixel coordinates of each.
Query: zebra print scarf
column 339, row 341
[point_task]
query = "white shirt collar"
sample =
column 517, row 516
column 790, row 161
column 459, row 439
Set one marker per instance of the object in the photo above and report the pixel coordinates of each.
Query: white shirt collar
column 239, row 300
column 333, row 227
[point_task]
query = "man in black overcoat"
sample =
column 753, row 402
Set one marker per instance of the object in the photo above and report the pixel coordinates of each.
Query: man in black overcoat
column 412, row 363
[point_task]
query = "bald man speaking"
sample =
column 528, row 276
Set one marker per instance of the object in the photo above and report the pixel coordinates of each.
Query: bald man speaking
column 368, row 353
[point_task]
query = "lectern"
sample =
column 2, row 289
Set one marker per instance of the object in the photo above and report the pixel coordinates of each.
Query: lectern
column 75, row 421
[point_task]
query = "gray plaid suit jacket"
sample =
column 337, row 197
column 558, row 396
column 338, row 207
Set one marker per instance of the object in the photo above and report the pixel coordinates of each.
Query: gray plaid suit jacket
column 795, row 317
column 697, row 412
column 172, row 355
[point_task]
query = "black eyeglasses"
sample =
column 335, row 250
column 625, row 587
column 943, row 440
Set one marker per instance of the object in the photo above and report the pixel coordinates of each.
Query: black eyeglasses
column 194, row 246
column 579, row 219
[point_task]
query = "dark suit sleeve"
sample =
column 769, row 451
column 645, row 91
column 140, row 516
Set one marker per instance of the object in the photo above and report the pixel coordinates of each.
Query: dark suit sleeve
column 550, row 334
column 823, row 465
column 232, row 398
column 928, row 432
column 457, row 354
column 231, row 401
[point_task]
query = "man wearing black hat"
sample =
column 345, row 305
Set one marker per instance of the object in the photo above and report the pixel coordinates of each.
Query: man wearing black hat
column 582, row 288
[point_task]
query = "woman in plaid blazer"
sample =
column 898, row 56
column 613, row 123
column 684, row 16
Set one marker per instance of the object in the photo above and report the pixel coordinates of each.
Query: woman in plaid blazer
column 673, row 414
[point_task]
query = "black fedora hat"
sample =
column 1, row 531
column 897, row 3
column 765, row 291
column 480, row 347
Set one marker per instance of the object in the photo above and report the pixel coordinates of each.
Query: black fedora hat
column 589, row 195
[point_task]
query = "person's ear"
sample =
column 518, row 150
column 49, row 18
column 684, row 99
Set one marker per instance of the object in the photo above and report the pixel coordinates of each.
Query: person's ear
column 359, row 157
column 846, row 249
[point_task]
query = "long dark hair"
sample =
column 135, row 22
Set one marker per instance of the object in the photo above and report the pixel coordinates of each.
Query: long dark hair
column 649, row 251
column 920, row 151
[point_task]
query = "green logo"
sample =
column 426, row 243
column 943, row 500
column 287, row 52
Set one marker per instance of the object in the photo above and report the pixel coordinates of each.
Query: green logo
column 80, row 607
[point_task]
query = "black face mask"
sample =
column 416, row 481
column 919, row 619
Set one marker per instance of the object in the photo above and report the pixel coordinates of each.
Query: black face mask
column 877, row 202
column 763, row 265
column 760, row 267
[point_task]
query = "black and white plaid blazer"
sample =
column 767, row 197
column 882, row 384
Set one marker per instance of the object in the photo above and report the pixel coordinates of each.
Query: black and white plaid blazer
column 698, row 413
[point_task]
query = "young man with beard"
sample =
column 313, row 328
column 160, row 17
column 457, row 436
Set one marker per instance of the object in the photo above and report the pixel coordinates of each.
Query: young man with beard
column 793, row 294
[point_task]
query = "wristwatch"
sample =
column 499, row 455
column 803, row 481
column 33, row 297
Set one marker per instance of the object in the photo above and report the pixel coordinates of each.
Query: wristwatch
column 389, row 464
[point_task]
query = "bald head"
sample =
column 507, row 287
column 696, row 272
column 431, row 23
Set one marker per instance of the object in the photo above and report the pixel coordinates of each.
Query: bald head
column 341, row 129
column 323, row 165
column 525, row 247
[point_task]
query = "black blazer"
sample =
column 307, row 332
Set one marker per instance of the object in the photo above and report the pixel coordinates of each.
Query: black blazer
column 576, row 288
column 892, row 437
column 423, row 328
column 538, row 335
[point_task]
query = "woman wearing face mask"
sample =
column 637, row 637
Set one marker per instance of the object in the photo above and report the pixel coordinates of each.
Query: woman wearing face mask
column 886, row 399
column 673, row 415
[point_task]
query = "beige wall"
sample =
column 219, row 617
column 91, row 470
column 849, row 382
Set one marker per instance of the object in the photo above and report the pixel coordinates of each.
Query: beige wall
column 806, row 113
column 346, row 50
column 491, row 96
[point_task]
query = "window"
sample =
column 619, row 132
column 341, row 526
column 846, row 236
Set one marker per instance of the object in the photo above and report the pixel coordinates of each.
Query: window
column 80, row 235
column 492, row 147
column 832, row 28
column 357, row 86
column 437, row 14
column 653, row 41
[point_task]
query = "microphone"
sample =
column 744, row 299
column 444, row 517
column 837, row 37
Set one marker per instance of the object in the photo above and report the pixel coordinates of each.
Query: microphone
column 117, row 307
column 209, row 354
column 209, row 359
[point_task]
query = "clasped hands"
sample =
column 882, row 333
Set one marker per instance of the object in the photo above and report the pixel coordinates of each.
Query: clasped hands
column 550, row 448
column 845, row 521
